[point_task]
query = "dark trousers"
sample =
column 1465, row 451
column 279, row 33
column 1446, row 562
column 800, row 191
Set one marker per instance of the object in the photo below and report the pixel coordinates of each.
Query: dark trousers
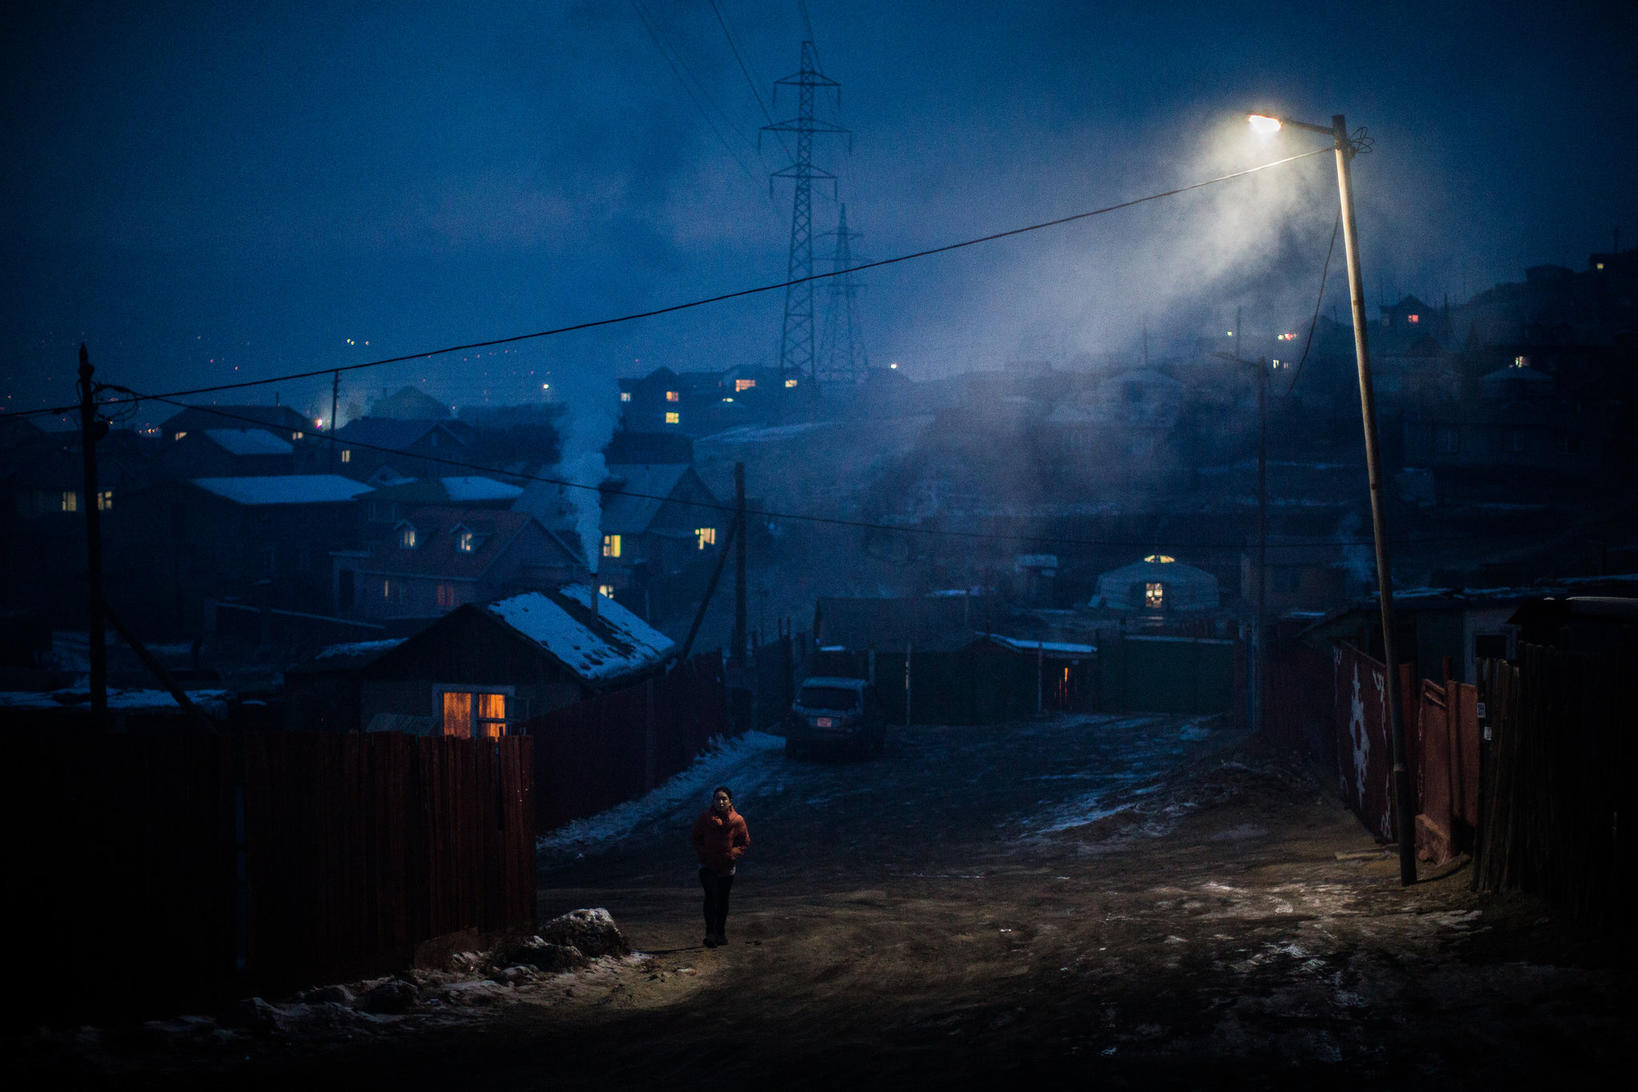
column 716, row 901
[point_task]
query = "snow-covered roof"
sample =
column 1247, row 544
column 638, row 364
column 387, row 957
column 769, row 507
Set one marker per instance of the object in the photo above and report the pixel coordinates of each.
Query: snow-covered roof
column 616, row 642
column 468, row 489
column 358, row 648
column 1057, row 648
column 1185, row 587
column 284, row 488
column 249, row 441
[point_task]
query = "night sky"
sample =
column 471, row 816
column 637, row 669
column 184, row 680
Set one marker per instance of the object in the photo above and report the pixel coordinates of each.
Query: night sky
column 207, row 193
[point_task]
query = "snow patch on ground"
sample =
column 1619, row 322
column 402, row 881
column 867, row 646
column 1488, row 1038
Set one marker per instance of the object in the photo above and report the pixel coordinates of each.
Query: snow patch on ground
column 716, row 765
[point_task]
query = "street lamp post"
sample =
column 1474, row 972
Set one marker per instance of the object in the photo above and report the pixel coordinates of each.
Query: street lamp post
column 1403, row 808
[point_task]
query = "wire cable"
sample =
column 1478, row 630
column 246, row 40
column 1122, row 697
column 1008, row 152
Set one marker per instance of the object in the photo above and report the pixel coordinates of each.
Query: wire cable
column 1325, row 271
column 635, row 316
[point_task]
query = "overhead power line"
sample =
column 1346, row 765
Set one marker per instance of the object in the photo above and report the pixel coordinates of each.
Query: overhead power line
column 721, row 298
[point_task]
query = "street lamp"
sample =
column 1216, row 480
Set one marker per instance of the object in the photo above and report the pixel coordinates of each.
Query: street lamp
column 1402, row 805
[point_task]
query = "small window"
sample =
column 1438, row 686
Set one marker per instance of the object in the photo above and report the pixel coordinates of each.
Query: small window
column 406, row 537
column 465, row 541
column 706, row 536
column 790, row 383
column 606, row 590
column 346, row 454
column 467, row 714
column 295, row 436
column 69, row 501
column 672, row 417
column 181, row 434
column 611, row 545
column 1154, row 595
column 1413, row 319
column 673, row 396
column 445, row 597
column 744, row 385
column 625, row 396
column 105, row 500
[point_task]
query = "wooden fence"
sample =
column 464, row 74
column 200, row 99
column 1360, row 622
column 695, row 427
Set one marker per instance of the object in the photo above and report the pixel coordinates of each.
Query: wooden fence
column 617, row 746
column 155, row 871
column 1556, row 777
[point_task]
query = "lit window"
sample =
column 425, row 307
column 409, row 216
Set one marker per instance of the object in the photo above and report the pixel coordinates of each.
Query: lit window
column 606, row 590
column 625, row 396
column 743, row 385
column 386, row 591
column 673, row 396
column 346, row 454
column 1414, row 319
column 468, row 714
column 707, row 536
column 406, row 537
column 611, row 545
column 672, row 417
column 790, row 383
column 295, row 435
column 179, row 435
column 1521, row 362
column 1599, row 266
column 446, row 596
column 1160, row 559
column 70, row 501
column 466, row 541
column 105, row 500
column 1154, row 595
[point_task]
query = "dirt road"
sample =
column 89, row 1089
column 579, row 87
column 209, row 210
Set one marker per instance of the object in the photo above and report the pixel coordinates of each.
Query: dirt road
column 1132, row 902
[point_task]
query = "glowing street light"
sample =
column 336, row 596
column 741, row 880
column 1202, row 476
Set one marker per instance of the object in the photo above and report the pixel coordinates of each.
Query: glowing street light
column 1346, row 149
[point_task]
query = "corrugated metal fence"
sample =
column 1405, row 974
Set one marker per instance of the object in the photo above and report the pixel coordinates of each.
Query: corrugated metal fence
column 153, row 871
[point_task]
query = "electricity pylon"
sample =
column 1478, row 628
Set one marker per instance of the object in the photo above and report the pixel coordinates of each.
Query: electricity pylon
column 841, row 349
column 796, row 356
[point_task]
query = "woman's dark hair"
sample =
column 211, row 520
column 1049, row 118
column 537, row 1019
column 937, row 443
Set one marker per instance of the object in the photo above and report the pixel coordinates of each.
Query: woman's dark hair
column 725, row 790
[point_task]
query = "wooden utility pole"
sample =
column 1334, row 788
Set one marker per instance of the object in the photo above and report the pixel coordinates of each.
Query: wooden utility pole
column 335, row 396
column 92, row 430
column 736, row 655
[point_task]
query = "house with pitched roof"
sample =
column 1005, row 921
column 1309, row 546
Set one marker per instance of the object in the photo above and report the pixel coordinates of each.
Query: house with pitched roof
column 436, row 559
column 409, row 448
column 658, row 520
column 484, row 669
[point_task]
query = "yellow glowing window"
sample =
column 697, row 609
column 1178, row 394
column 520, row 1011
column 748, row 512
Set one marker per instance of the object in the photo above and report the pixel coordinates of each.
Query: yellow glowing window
column 672, row 417
column 673, row 396
column 70, row 501
column 625, row 396
column 346, row 454
column 707, row 536
column 1154, row 595
column 466, row 542
column 406, row 537
column 790, row 382
column 743, row 385
column 105, row 500
column 611, row 545
column 606, row 590
column 295, row 435
column 1160, row 559
column 179, row 435
column 466, row 714
column 1414, row 319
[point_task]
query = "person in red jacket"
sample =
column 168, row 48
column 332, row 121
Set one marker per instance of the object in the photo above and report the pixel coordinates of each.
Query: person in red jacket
column 720, row 840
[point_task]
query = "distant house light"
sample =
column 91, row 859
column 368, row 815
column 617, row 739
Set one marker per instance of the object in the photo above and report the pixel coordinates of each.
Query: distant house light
column 69, row 501
column 1160, row 559
column 672, row 417
column 625, row 396
column 611, row 545
column 1521, row 362
column 346, row 454
column 465, row 541
column 406, row 536
column 181, row 434
column 1413, row 319
column 1598, row 265
column 295, row 435
column 105, row 500
column 706, row 536
column 743, row 385
column 673, row 396
column 606, row 590
column 790, row 383
column 1154, row 595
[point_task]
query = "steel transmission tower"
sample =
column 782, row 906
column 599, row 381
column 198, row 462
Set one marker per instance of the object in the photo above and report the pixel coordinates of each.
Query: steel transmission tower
column 841, row 350
column 796, row 356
